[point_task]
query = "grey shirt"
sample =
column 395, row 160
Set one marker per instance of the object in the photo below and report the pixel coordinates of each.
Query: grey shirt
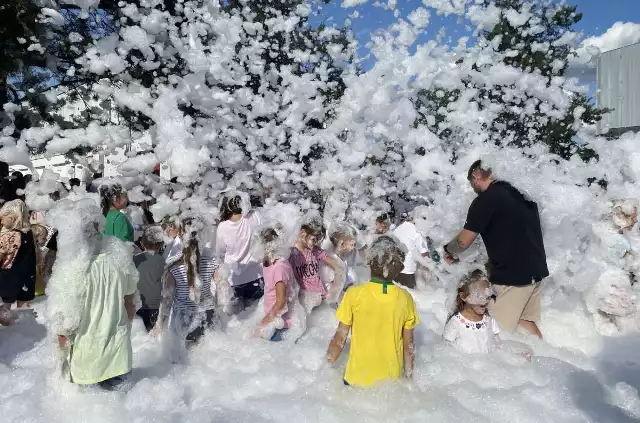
column 151, row 267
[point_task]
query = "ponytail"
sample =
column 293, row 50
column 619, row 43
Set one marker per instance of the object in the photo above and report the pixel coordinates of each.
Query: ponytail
column 191, row 257
column 106, row 205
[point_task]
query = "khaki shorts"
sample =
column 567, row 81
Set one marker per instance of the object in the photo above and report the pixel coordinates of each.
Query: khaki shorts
column 515, row 303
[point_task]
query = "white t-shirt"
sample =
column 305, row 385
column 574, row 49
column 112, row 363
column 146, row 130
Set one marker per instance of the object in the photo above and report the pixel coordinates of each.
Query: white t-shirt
column 471, row 337
column 408, row 234
column 233, row 247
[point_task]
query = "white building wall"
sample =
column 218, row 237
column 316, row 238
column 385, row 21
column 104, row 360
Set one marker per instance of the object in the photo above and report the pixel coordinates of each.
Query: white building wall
column 618, row 88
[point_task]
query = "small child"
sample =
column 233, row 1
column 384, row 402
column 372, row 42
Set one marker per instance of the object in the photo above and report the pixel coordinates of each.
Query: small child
column 280, row 287
column 150, row 265
column 382, row 318
column 470, row 328
column 187, row 308
column 305, row 261
column 342, row 249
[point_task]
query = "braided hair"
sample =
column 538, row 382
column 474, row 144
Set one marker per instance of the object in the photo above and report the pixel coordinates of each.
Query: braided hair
column 108, row 193
column 230, row 205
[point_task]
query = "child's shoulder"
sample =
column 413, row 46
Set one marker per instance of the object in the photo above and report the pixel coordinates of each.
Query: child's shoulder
column 317, row 250
column 404, row 294
column 280, row 264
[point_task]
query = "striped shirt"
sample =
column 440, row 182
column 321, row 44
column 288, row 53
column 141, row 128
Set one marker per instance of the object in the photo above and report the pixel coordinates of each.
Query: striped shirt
column 206, row 267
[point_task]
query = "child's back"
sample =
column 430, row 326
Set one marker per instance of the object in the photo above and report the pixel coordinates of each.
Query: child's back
column 150, row 266
column 378, row 313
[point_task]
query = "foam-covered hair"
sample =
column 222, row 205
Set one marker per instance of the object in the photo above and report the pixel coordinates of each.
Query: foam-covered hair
column 108, row 192
column 18, row 210
column 476, row 294
column 385, row 250
column 340, row 230
column 192, row 226
column 312, row 221
column 152, row 235
column 111, row 190
column 270, row 242
column 234, row 202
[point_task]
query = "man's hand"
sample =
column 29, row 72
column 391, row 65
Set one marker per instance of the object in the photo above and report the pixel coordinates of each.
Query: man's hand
column 450, row 258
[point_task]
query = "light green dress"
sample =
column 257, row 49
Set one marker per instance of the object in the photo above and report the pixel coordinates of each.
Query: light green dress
column 102, row 344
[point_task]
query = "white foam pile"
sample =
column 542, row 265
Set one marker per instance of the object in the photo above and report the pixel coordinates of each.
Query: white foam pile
column 587, row 369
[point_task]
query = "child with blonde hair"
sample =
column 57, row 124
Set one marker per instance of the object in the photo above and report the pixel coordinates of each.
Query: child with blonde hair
column 343, row 238
column 470, row 328
column 17, row 258
column 381, row 318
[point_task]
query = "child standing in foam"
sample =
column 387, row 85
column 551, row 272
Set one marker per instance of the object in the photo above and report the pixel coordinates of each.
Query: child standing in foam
column 150, row 265
column 233, row 246
column 470, row 328
column 381, row 318
column 188, row 299
column 280, row 287
column 305, row 260
column 342, row 248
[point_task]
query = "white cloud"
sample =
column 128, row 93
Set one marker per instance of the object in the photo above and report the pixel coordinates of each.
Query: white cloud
column 353, row 3
column 621, row 34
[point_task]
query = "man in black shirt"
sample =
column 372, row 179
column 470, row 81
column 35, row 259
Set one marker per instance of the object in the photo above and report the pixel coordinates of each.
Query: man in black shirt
column 510, row 227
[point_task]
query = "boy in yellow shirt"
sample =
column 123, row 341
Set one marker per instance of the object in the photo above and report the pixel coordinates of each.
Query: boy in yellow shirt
column 381, row 317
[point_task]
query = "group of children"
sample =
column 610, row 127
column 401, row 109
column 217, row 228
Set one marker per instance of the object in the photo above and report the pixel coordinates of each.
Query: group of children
column 183, row 280
column 293, row 274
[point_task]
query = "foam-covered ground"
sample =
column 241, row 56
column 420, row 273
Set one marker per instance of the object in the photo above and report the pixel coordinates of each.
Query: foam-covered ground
column 232, row 378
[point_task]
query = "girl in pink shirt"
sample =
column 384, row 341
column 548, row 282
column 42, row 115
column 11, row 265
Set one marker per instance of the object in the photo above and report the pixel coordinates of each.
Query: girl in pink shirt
column 305, row 260
column 280, row 287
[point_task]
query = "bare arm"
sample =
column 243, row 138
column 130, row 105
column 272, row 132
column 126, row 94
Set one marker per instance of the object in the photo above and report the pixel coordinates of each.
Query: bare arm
column 130, row 306
column 409, row 352
column 333, row 264
column 461, row 242
column 281, row 301
column 338, row 342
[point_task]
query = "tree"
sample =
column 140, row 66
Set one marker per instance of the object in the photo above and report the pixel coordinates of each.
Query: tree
column 539, row 45
column 535, row 39
column 235, row 85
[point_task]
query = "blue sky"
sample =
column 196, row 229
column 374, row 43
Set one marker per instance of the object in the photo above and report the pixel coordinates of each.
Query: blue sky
column 598, row 16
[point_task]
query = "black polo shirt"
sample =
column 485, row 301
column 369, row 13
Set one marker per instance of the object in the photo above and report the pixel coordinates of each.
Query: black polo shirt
column 510, row 228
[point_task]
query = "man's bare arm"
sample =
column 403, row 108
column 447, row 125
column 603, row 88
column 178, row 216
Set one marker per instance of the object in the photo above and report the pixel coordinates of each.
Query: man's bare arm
column 338, row 342
column 461, row 242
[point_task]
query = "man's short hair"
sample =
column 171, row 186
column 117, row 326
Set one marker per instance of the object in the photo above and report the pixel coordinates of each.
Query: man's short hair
column 383, row 218
column 477, row 166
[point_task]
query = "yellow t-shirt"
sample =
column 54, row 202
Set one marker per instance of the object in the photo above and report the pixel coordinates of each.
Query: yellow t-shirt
column 377, row 320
